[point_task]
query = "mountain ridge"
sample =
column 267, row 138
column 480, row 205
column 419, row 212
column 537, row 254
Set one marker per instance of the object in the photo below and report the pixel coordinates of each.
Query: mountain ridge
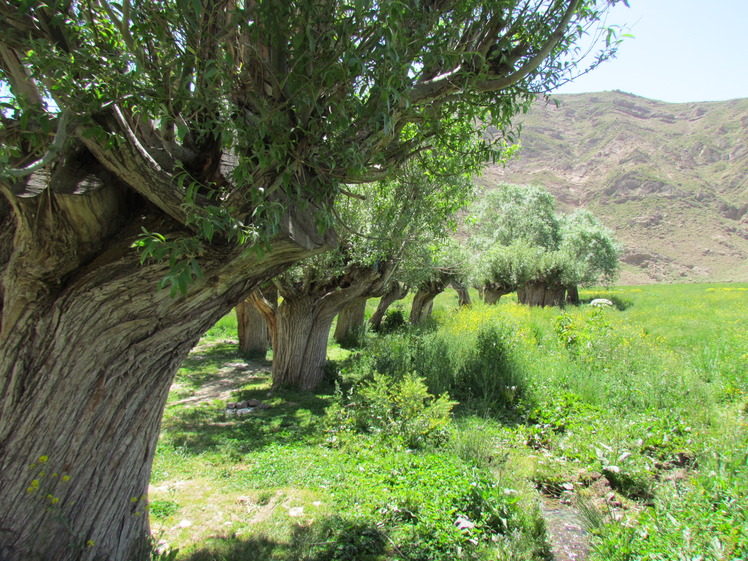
column 670, row 179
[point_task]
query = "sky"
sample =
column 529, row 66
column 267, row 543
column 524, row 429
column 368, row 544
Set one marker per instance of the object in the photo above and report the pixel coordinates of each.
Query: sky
column 682, row 50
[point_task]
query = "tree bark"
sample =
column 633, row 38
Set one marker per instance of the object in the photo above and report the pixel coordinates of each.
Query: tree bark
column 493, row 295
column 88, row 351
column 255, row 319
column 540, row 294
column 300, row 352
column 397, row 292
column 304, row 318
column 265, row 301
column 423, row 303
column 463, row 295
column 252, row 330
column 350, row 322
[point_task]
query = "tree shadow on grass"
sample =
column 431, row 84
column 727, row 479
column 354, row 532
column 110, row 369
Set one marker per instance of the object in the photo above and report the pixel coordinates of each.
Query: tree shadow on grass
column 196, row 427
column 331, row 539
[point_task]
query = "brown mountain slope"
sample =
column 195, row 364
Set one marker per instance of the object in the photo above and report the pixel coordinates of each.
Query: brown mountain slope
column 670, row 179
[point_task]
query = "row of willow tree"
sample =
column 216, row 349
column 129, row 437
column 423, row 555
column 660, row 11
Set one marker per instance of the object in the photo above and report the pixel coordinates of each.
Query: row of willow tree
column 514, row 240
column 224, row 140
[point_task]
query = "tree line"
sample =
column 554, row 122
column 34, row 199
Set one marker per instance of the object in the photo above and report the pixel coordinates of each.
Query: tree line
column 516, row 242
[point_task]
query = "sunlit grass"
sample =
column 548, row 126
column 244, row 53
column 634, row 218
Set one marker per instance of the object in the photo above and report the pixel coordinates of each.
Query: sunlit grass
column 655, row 388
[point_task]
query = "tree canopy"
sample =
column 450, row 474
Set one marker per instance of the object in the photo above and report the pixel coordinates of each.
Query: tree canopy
column 524, row 244
column 299, row 96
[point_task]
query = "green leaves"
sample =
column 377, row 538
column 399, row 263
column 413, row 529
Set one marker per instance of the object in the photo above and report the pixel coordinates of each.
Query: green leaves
column 181, row 255
column 521, row 239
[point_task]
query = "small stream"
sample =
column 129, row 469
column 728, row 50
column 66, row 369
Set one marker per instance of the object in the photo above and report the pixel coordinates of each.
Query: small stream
column 567, row 535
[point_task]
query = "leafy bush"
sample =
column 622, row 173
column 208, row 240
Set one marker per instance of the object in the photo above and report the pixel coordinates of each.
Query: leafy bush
column 490, row 374
column 393, row 320
column 402, row 411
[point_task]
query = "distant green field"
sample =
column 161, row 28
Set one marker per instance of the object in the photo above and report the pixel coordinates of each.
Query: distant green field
column 634, row 415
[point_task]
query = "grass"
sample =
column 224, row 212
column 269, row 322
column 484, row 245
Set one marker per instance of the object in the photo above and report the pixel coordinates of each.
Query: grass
column 636, row 413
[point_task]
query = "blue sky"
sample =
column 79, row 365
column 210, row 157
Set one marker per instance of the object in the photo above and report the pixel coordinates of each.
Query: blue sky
column 682, row 50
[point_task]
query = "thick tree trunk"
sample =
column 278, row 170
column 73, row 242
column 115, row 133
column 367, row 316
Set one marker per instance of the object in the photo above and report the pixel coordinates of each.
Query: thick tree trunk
column 350, row 322
column 88, row 350
column 423, row 303
column 252, row 330
column 539, row 294
column 300, row 351
column 555, row 296
column 463, row 296
column 395, row 293
column 493, row 295
column 265, row 301
column 304, row 318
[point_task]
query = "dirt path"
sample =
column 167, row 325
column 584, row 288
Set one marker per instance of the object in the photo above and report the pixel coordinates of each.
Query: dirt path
column 232, row 376
column 566, row 533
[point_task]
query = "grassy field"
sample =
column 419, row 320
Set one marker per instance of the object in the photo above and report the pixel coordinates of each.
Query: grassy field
column 438, row 443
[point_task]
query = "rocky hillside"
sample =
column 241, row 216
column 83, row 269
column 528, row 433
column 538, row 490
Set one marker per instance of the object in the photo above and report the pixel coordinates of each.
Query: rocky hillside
column 670, row 179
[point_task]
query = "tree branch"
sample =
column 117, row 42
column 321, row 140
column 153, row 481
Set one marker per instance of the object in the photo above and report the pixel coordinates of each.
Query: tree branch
column 131, row 162
column 456, row 79
column 21, row 83
column 57, row 144
column 535, row 61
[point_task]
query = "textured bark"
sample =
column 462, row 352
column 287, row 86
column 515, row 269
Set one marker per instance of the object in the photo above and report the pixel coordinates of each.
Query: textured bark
column 493, row 295
column 252, row 330
column 540, row 294
column 88, row 350
column 301, row 346
column 304, row 318
column 396, row 292
column 423, row 303
column 265, row 301
column 350, row 322
column 463, row 296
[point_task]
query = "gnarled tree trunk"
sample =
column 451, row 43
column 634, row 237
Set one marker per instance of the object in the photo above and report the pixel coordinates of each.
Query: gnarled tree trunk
column 304, row 318
column 423, row 301
column 300, row 350
column 396, row 292
column 252, row 330
column 350, row 322
column 492, row 295
column 255, row 317
column 88, row 351
column 463, row 296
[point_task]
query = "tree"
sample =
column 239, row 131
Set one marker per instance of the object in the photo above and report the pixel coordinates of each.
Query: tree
column 214, row 136
column 441, row 264
column 503, row 269
column 350, row 323
column 255, row 329
column 514, row 213
column 378, row 232
column 594, row 250
column 511, row 228
column 396, row 291
column 525, row 246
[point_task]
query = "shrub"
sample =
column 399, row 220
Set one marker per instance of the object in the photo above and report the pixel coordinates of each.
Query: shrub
column 394, row 320
column 402, row 411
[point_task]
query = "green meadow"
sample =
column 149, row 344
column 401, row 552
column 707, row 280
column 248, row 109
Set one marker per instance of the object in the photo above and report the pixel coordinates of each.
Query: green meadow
column 450, row 440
